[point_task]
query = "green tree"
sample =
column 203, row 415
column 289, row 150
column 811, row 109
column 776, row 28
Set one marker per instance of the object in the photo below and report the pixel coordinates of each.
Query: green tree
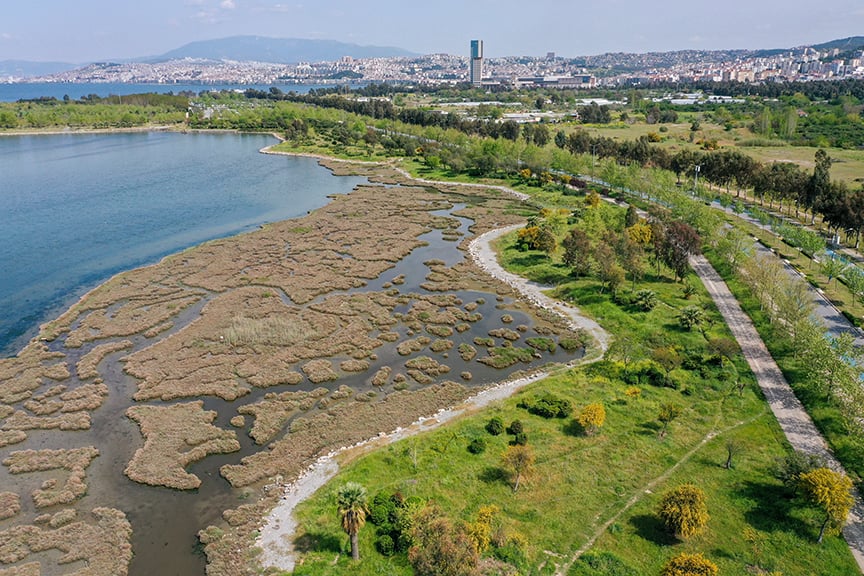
column 560, row 139
column 351, row 500
column 577, row 252
column 683, row 510
column 832, row 492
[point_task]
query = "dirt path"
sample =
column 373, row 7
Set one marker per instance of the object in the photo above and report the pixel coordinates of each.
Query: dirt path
column 277, row 534
column 794, row 420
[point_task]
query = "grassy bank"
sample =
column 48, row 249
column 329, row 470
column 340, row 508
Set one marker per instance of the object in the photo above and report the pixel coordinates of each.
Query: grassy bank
column 606, row 485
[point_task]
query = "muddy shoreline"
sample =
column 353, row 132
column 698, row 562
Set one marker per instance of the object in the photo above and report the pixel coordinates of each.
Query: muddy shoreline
column 231, row 320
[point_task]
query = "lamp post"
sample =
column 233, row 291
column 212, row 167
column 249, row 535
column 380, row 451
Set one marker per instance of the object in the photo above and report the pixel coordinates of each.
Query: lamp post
column 696, row 179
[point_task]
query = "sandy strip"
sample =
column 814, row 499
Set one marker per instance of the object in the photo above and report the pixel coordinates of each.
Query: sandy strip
column 277, row 534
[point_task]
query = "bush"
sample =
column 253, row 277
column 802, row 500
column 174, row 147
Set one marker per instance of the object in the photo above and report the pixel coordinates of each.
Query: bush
column 683, row 510
column 601, row 564
column 477, row 446
column 689, row 565
column 495, row 426
column 520, row 439
column 591, row 418
column 515, row 427
column 547, row 406
column 385, row 545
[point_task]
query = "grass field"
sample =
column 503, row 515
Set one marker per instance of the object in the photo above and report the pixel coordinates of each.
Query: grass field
column 607, row 485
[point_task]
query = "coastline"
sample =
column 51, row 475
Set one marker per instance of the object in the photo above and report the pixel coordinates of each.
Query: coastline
column 277, row 532
column 123, row 284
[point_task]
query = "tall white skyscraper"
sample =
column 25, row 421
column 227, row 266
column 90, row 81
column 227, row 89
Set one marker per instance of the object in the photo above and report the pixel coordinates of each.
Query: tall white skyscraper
column 476, row 62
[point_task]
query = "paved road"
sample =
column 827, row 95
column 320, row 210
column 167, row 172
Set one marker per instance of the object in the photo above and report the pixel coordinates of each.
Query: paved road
column 794, row 420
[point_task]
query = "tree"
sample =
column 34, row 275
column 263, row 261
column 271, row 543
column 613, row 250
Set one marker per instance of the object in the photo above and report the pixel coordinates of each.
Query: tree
column 440, row 548
column 689, row 565
column 832, row 492
column 519, row 460
column 677, row 245
column 683, row 510
column 592, row 418
column 819, row 184
column 733, row 447
column 351, row 499
column 668, row 413
column 560, row 139
column 577, row 252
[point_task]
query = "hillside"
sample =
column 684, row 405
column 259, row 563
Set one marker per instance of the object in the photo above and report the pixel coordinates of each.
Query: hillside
column 276, row 50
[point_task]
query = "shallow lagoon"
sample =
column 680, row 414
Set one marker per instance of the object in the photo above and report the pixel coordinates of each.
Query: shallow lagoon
column 76, row 209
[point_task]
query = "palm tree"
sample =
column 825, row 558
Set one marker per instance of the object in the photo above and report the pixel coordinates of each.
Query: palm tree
column 351, row 499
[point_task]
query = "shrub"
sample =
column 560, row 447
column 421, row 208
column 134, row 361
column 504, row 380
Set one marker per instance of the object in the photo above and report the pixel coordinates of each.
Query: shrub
column 495, row 426
column 689, row 565
column 385, row 545
column 601, row 564
column 683, row 510
column 646, row 300
column 546, row 405
column 477, row 446
column 515, row 427
column 592, row 418
column 520, row 439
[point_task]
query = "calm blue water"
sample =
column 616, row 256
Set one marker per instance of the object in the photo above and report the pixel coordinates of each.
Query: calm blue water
column 76, row 209
column 14, row 92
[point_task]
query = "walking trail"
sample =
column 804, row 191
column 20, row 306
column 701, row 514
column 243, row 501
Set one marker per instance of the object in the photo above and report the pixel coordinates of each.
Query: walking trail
column 794, row 420
column 277, row 535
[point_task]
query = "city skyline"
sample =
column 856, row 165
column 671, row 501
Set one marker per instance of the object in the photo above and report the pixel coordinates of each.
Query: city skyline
column 55, row 30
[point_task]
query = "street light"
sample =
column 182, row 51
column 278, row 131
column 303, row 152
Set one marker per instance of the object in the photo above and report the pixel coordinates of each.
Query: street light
column 696, row 179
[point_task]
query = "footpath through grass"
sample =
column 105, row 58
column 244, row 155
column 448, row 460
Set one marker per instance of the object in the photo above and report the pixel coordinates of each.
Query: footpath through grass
column 581, row 481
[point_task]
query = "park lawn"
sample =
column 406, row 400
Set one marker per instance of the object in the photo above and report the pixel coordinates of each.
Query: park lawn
column 745, row 496
column 582, row 481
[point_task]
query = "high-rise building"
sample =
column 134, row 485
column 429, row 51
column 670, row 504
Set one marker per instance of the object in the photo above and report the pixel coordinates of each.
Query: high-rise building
column 476, row 62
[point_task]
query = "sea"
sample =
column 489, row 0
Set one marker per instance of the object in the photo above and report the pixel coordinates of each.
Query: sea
column 76, row 209
column 28, row 91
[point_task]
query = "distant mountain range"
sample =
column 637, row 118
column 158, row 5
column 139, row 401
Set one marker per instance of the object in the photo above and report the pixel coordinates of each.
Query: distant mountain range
column 295, row 50
column 276, row 50
column 24, row 68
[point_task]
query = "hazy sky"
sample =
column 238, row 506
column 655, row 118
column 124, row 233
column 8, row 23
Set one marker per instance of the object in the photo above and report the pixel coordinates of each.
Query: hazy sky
column 88, row 30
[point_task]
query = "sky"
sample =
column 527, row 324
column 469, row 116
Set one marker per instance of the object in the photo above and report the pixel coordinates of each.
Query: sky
column 82, row 31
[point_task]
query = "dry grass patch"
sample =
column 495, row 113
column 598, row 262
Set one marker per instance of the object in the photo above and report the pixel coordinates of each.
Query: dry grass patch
column 9, row 437
column 354, row 366
column 505, row 333
column 382, row 376
column 137, row 315
column 174, row 437
column 320, row 371
column 103, row 546
column 341, row 425
column 441, row 345
column 10, row 505
column 21, row 421
column 74, row 461
column 87, row 366
column 26, row 372
column 408, row 347
column 29, row 569
column 273, row 412
column 467, row 352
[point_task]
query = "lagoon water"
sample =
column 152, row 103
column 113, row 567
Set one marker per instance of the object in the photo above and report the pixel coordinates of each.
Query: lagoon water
column 33, row 90
column 76, row 209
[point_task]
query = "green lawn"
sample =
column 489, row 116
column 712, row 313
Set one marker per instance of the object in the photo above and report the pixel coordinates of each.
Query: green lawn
column 582, row 482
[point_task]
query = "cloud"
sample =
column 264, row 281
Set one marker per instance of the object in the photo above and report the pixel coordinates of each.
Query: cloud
column 6, row 36
column 228, row 4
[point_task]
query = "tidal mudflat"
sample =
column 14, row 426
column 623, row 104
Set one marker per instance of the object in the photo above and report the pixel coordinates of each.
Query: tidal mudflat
column 196, row 387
